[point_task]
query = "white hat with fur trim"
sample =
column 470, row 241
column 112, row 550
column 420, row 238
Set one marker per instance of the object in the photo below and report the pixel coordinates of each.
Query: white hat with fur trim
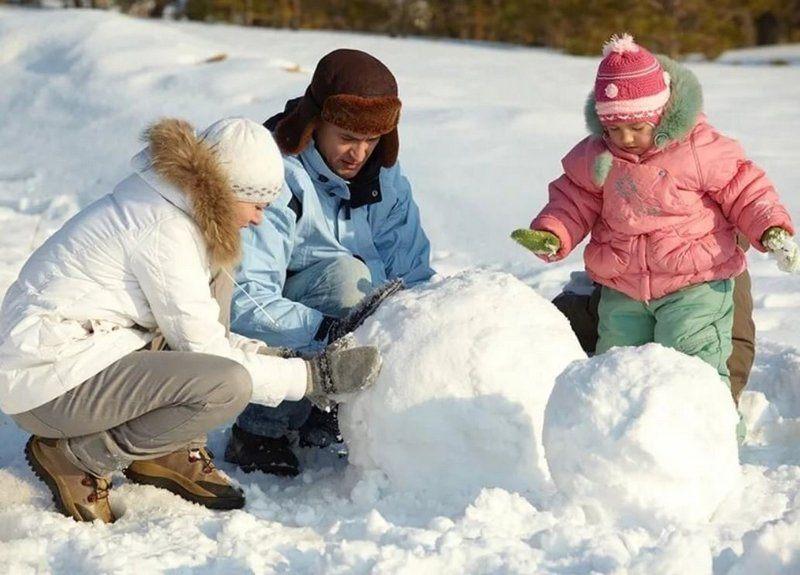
column 249, row 156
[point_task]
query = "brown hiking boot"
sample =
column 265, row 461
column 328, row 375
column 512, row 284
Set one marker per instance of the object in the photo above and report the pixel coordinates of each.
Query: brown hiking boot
column 77, row 494
column 191, row 474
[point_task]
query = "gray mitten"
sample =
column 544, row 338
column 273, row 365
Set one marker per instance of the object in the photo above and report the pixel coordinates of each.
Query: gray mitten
column 342, row 368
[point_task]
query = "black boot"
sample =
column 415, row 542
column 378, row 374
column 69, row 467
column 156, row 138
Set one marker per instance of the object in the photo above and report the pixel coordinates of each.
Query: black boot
column 321, row 429
column 259, row 453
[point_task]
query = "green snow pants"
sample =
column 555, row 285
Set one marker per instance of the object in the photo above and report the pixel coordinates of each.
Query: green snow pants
column 697, row 320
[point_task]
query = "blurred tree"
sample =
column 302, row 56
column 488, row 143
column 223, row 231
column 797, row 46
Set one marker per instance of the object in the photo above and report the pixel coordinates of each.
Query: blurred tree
column 674, row 27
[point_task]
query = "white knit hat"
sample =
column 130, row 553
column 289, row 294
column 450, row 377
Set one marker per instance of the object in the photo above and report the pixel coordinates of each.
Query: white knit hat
column 249, row 156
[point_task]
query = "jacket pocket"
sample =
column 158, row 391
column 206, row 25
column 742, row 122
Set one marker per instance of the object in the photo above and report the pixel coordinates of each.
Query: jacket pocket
column 608, row 259
column 687, row 256
column 55, row 333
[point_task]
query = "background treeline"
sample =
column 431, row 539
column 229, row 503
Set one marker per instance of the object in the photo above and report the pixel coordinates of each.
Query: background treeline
column 676, row 27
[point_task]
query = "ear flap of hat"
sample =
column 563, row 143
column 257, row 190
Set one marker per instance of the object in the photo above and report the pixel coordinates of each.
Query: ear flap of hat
column 390, row 146
column 293, row 133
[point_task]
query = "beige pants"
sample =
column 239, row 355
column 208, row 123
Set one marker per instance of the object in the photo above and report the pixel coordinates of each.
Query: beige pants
column 147, row 404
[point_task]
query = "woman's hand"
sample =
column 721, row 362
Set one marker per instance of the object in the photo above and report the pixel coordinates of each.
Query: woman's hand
column 341, row 369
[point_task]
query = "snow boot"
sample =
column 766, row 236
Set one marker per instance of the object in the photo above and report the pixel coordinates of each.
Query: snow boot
column 76, row 493
column 321, row 429
column 252, row 452
column 191, row 474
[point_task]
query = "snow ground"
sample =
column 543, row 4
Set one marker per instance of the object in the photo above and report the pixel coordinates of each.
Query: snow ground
column 482, row 132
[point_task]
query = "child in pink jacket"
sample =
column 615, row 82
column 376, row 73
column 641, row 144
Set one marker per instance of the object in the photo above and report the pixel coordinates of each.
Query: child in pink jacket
column 662, row 193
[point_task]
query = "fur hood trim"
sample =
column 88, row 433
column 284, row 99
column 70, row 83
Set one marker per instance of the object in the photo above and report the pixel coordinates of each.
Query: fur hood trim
column 178, row 157
column 681, row 113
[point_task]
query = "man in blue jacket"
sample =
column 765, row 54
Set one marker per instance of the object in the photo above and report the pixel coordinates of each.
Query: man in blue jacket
column 345, row 225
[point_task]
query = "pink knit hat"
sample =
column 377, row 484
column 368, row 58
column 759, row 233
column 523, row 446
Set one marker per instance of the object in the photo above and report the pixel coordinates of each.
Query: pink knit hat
column 631, row 85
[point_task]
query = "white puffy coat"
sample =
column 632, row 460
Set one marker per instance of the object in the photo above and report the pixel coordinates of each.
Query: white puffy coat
column 136, row 260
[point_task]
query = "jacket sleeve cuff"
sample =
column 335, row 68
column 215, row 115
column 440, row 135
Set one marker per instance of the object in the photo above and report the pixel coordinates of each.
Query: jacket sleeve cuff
column 276, row 379
column 297, row 385
column 550, row 224
column 758, row 231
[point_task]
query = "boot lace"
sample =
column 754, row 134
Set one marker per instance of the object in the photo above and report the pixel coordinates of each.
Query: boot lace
column 100, row 487
column 204, row 455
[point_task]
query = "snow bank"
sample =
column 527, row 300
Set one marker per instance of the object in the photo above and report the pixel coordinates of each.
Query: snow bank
column 642, row 436
column 469, row 362
column 770, row 403
column 772, row 550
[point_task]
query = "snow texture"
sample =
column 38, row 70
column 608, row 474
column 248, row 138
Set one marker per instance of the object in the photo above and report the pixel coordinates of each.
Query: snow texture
column 469, row 362
column 483, row 130
column 635, row 441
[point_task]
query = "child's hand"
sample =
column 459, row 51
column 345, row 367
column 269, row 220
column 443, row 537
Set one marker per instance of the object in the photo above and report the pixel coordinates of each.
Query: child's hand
column 781, row 245
column 539, row 242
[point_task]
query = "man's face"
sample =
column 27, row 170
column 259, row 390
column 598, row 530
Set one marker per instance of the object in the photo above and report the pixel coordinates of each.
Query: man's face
column 344, row 151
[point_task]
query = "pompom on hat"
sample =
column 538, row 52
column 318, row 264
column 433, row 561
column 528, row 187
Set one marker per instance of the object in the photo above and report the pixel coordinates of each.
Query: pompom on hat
column 631, row 85
column 249, row 158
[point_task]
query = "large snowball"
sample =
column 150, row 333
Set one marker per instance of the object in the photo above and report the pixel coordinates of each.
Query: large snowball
column 469, row 362
column 643, row 436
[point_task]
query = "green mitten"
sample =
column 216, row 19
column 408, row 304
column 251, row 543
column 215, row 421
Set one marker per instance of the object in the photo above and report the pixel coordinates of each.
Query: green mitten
column 539, row 242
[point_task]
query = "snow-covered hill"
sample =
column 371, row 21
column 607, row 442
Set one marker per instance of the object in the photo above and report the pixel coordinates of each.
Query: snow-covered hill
column 482, row 133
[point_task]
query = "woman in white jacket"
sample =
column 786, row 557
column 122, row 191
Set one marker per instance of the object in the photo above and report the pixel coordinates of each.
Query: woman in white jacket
column 78, row 326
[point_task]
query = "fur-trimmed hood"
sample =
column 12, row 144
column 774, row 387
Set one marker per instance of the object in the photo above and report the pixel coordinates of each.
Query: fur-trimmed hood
column 680, row 114
column 179, row 158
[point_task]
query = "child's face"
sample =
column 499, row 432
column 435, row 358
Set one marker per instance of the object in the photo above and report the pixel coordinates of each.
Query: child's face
column 633, row 137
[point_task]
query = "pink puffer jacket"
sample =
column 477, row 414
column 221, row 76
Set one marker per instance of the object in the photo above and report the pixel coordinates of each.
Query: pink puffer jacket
column 664, row 220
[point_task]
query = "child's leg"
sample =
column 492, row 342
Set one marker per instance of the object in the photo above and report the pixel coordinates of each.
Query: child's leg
column 581, row 311
column 623, row 321
column 744, row 335
column 698, row 321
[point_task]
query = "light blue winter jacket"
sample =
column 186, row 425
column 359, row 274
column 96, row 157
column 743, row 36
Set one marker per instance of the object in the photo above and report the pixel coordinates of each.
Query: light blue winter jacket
column 387, row 236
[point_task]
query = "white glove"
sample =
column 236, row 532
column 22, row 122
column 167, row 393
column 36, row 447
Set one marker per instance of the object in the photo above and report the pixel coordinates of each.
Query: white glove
column 783, row 248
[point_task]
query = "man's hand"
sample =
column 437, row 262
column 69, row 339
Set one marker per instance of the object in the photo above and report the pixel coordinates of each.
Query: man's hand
column 340, row 369
column 338, row 328
column 539, row 242
column 783, row 248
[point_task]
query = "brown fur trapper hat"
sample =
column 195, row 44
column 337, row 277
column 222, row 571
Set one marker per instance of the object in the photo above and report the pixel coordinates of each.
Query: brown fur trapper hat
column 352, row 90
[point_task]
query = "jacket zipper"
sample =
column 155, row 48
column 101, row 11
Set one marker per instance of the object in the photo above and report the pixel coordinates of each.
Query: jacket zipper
column 646, row 290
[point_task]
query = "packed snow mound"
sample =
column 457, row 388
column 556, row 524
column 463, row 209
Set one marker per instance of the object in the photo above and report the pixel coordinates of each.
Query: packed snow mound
column 468, row 364
column 772, row 550
column 771, row 402
column 643, row 436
